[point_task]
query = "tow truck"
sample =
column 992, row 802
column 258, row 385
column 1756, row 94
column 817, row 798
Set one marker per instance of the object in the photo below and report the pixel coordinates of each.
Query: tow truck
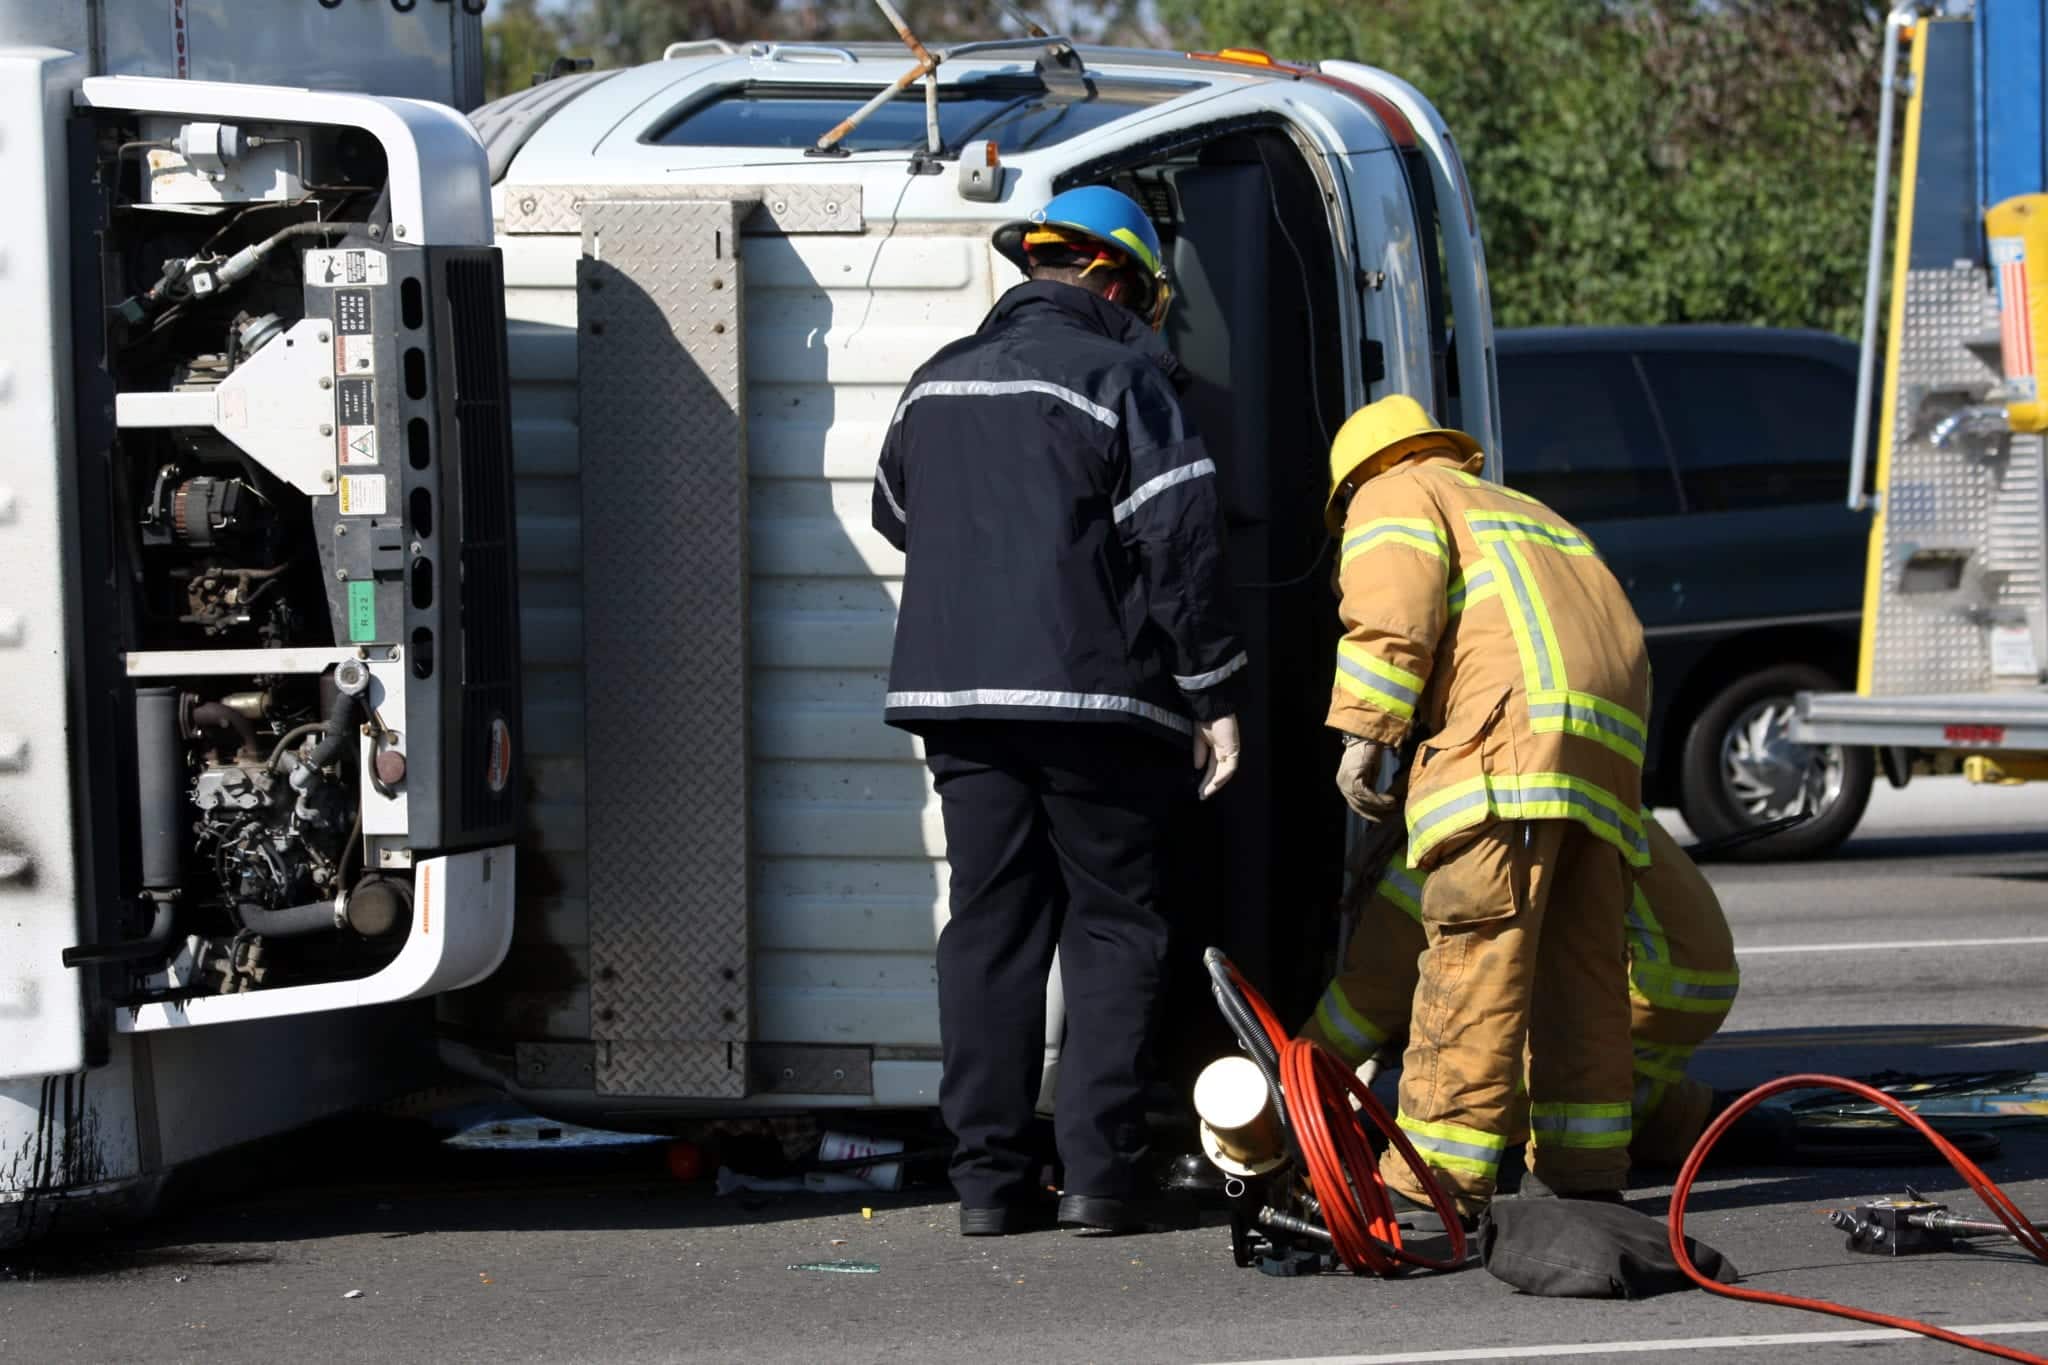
column 1954, row 649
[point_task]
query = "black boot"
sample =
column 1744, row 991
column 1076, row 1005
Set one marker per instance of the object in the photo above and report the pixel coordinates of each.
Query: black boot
column 1002, row 1220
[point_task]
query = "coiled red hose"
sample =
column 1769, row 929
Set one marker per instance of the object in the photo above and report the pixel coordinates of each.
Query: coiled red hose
column 1995, row 1199
column 1342, row 1170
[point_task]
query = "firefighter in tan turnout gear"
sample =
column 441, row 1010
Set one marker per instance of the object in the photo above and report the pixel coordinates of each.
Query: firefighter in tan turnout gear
column 1682, row 979
column 1480, row 622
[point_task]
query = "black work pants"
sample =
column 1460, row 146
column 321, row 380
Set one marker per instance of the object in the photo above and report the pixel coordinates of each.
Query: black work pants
column 1055, row 834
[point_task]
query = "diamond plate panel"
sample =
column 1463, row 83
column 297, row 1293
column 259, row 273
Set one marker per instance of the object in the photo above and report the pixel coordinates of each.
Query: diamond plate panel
column 766, row 208
column 1990, row 511
column 663, row 449
column 670, row 1070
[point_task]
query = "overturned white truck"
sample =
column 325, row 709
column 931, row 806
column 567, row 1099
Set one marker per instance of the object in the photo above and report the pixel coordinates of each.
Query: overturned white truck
column 277, row 761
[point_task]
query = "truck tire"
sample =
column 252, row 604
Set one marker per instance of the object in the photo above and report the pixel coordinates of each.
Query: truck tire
column 1739, row 769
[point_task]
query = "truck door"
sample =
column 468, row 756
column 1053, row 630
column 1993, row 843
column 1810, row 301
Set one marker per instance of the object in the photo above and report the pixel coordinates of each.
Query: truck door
column 1449, row 248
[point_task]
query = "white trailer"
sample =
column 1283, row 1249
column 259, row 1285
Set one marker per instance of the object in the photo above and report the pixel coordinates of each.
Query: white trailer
column 729, row 872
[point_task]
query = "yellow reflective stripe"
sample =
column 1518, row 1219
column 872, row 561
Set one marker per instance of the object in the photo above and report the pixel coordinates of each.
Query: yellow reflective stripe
column 1454, row 1148
column 1474, row 481
column 1662, row 1061
column 1598, row 1125
column 1513, row 526
column 1388, row 686
column 1472, row 587
column 1535, row 637
column 1688, row 990
column 1590, row 717
column 1648, row 948
column 1528, row 796
column 1352, row 1032
column 1137, row 247
column 1417, row 533
column 1403, row 888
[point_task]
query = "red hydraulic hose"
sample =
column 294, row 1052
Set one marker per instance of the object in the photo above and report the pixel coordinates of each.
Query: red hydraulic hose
column 1980, row 1184
column 1342, row 1171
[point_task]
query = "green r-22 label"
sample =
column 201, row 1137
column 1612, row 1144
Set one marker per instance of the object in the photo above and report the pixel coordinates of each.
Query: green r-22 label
column 362, row 612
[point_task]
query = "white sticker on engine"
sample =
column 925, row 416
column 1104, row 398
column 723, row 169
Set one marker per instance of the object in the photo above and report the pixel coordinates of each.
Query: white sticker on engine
column 2012, row 652
column 362, row 495
column 349, row 265
column 355, row 354
column 358, row 445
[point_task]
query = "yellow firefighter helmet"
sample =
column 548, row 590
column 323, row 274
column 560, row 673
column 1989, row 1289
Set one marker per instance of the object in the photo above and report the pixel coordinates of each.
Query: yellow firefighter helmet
column 1377, row 437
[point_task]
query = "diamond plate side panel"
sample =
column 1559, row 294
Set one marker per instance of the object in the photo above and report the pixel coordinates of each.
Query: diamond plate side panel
column 663, row 455
column 670, row 1070
column 773, row 208
column 1989, row 512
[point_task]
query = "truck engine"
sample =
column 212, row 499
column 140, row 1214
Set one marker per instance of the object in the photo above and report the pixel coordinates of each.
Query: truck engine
column 295, row 455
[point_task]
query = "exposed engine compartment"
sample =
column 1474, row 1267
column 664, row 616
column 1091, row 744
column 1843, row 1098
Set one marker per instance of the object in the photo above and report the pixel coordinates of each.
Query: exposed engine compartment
column 302, row 716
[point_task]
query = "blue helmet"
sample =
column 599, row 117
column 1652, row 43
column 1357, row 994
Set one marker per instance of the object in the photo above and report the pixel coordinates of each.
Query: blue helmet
column 1106, row 216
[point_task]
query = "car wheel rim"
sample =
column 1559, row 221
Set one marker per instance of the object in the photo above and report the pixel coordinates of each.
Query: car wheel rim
column 1766, row 775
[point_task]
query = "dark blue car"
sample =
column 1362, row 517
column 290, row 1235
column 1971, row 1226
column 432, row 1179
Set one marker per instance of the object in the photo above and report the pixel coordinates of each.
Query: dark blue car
column 1709, row 466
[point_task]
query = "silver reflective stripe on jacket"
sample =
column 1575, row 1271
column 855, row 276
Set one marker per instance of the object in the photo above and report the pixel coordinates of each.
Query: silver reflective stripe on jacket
column 990, row 388
column 889, row 495
column 1060, row 701
column 1202, row 681
column 1158, row 484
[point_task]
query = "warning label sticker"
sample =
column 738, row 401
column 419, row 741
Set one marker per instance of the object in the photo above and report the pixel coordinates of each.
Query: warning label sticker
column 362, row 495
column 357, row 445
column 349, row 265
column 355, row 354
column 352, row 311
column 356, row 401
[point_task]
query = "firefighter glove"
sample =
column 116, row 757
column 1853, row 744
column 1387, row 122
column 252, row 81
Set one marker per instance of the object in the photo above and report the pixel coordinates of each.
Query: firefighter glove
column 1358, row 774
column 1216, row 750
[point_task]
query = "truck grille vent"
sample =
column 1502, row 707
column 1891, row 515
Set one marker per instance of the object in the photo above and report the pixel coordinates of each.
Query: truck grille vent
column 488, row 787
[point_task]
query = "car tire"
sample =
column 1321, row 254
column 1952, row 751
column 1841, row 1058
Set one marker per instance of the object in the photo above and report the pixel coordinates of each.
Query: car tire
column 1736, row 771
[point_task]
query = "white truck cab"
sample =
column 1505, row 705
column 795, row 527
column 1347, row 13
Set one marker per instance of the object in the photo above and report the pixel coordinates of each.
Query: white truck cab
column 734, row 871
column 554, row 754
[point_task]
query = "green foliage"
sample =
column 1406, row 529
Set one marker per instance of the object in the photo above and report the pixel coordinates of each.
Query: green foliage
column 519, row 41
column 1634, row 161
column 1644, row 161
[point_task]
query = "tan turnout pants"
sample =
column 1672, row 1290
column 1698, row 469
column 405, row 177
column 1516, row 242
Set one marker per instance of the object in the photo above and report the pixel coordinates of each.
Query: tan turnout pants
column 1682, row 981
column 1523, row 927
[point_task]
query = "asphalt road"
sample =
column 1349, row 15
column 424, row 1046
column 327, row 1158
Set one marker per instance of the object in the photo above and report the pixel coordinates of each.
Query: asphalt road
column 1921, row 948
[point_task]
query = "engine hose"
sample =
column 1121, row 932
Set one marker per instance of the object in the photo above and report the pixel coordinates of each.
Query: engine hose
column 338, row 730
column 293, row 921
column 1316, row 1095
column 154, row 940
column 1995, row 1199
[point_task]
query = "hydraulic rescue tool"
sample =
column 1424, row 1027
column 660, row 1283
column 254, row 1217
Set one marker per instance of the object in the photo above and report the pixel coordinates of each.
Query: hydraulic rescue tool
column 1302, row 1177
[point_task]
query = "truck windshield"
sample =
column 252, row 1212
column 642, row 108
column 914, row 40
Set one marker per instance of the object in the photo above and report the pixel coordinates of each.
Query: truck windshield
column 1018, row 115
